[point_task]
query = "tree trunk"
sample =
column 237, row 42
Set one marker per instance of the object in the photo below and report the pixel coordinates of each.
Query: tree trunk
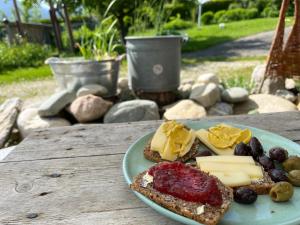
column 123, row 28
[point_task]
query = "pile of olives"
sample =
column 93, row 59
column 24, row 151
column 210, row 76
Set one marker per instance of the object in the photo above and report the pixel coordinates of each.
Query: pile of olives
column 282, row 169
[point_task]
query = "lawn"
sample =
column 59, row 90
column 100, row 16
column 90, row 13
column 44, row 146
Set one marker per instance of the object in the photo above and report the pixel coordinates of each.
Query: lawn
column 25, row 74
column 211, row 35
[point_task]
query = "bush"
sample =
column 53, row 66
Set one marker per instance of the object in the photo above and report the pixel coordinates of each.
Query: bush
column 183, row 8
column 208, row 17
column 218, row 16
column 252, row 13
column 178, row 24
column 270, row 12
column 217, row 5
column 236, row 15
column 235, row 6
column 23, row 55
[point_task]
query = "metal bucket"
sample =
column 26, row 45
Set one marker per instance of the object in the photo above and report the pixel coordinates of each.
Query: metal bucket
column 154, row 63
column 73, row 73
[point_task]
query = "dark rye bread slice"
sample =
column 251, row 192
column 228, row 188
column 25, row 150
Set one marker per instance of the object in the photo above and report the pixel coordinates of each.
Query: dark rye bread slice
column 211, row 214
column 262, row 186
column 155, row 157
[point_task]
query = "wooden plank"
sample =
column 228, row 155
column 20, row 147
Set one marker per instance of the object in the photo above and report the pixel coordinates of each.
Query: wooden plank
column 88, row 140
column 63, row 189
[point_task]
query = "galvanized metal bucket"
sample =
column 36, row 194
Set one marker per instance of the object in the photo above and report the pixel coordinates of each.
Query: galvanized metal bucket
column 154, row 63
column 73, row 73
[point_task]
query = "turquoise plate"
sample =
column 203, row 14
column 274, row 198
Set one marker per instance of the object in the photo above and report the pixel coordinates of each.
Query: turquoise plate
column 262, row 212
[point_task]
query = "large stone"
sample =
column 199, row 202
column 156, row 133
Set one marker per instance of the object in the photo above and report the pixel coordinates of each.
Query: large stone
column 288, row 95
column 235, row 95
column 188, row 81
column 221, row 109
column 9, row 112
column 123, row 83
column 257, row 77
column 184, row 90
column 89, row 108
column 29, row 120
column 185, row 109
column 208, row 78
column 92, row 89
column 270, row 84
column 290, row 84
column 56, row 103
column 205, row 94
column 264, row 103
column 134, row 110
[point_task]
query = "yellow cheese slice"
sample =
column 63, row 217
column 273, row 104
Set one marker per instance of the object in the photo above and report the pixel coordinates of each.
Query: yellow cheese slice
column 232, row 178
column 188, row 147
column 252, row 170
column 226, row 159
column 159, row 140
column 168, row 154
column 203, row 136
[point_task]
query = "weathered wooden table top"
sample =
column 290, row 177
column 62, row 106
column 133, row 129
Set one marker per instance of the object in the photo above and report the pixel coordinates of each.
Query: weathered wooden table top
column 73, row 175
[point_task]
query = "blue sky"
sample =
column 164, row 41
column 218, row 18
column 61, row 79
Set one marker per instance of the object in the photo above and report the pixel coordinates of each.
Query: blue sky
column 6, row 7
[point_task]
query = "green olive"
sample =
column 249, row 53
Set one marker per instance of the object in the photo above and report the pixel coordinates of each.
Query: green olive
column 294, row 177
column 281, row 192
column 292, row 163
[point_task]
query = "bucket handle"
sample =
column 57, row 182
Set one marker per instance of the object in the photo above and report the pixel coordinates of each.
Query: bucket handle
column 51, row 60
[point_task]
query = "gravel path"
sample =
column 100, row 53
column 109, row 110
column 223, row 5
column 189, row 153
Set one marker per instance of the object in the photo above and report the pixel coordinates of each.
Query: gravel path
column 255, row 45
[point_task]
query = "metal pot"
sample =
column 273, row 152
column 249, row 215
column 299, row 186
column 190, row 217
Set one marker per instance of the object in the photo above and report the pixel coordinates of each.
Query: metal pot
column 73, row 73
column 154, row 63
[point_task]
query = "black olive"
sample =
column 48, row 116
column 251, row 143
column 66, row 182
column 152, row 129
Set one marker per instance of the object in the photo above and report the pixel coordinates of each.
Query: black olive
column 278, row 154
column 245, row 195
column 242, row 149
column 266, row 162
column 256, row 148
column 277, row 175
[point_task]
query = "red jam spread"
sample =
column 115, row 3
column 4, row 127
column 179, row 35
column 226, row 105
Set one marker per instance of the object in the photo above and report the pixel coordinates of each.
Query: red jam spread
column 186, row 183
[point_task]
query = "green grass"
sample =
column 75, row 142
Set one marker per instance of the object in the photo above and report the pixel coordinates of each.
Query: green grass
column 195, row 61
column 26, row 74
column 240, row 77
column 211, row 35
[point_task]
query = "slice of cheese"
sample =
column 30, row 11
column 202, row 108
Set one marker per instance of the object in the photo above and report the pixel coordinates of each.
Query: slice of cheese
column 232, row 178
column 188, row 147
column 252, row 170
column 159, row 140
column 203, row 136
column 168, row 154
column 226, row 159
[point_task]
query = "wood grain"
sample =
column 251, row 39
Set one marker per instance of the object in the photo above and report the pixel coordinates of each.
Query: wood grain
column 73, row 175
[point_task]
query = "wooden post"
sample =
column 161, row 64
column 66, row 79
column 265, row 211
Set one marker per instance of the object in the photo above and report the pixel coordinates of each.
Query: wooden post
column 10, row 38
column 18, row 19
column 56, row 27
column 69, row 28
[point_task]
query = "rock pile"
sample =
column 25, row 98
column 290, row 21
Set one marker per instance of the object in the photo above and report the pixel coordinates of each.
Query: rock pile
column 204, row 96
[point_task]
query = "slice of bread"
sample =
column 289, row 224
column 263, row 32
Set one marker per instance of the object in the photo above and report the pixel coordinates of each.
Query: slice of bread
column 155, row 156
column 262, row 186
column 210, row 216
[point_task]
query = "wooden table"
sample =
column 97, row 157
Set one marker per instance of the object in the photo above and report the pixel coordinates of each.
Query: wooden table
column 73, row 175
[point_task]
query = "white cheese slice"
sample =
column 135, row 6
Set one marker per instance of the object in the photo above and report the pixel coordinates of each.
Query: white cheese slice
column 227, row 159
column 232, row 179
column 252, row 170
column 203, row 136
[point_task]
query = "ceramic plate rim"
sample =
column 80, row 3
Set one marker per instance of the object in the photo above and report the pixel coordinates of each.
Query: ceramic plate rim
column 176, row 217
